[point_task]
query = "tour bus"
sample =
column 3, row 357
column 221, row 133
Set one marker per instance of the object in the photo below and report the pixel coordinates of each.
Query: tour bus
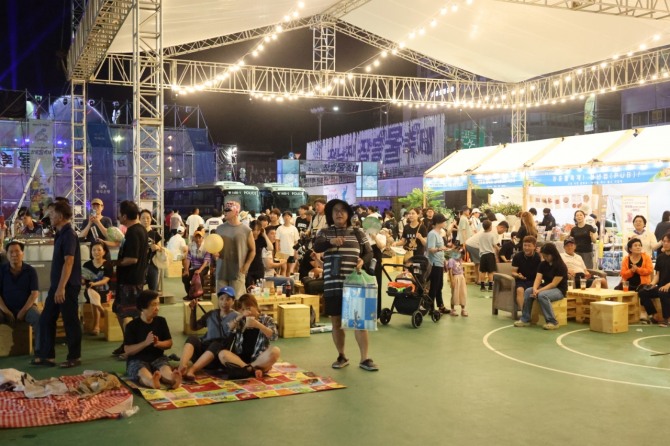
column 210, row 197
column 284, row 198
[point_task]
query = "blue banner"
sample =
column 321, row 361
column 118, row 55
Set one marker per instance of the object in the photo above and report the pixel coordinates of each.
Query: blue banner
column 288, row 172
column 199, row 140
column 509, row 179
column 632, row 173
column 102, row 183
column 447, row 183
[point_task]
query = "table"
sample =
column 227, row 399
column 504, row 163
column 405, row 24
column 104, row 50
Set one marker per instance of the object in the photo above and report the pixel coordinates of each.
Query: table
column 585, row 297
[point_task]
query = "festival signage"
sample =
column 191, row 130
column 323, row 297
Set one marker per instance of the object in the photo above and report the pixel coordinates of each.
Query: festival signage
column 585, row 176
column 416, row 142
column 459, row 182
column 632, row 206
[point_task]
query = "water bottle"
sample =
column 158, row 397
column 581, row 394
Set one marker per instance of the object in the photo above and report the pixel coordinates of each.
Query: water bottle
column 287, row 289
column 373, row 267
column 335, row 263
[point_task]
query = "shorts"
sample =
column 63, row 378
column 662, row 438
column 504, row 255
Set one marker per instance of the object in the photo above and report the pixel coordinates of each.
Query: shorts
column 134, row 366
column 522, row 284
column 487, row 263
column 211, row 345
column 474, row 253
column 103, row 295
column 291, row 259
column 125, row 303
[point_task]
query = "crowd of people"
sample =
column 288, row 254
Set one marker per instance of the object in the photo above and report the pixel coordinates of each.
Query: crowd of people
column 325, row 243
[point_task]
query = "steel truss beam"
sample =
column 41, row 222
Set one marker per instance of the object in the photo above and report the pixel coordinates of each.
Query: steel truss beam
column 343, row 8
column 323, row 49
column 96, row 30
column 147, row 82
column 648, row 9
column 78, row 153
column 441, row 68
column 624, row 73
column 519, row 124
column 77, row 8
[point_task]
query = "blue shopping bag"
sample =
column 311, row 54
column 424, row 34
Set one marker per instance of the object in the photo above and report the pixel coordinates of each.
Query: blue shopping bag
column 359, row 302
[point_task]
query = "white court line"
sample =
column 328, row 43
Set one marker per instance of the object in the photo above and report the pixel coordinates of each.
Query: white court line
column 580, row 375
column 636, row 343
column 559, row 341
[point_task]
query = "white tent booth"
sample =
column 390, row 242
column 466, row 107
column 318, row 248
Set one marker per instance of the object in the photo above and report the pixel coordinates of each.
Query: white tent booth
column 615, row 175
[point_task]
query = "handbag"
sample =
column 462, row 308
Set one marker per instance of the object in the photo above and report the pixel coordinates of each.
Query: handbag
column 359, row 302
column 196, row 290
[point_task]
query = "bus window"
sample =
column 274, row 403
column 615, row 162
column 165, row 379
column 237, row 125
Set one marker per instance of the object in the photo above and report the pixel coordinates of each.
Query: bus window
column 289, row 201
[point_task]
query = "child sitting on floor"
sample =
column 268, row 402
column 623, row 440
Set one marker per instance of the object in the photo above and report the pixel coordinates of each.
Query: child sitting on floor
column 144, row 341
column 459, row 290
column 250, row 354
column 205, row 349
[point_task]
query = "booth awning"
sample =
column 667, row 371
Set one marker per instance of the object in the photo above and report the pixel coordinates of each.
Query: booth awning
column 651, row 144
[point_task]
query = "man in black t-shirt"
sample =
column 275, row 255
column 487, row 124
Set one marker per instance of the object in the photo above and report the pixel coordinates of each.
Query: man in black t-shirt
column 145, row 340
column 131, row 266
column 660, row 285
column 524, row 268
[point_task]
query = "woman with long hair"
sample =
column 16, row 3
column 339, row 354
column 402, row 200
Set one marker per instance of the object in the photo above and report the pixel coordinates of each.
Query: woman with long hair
column 527, row 228
column 551, row 284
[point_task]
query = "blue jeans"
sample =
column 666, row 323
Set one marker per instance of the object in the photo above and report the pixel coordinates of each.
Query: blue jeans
column 70, row 312
column 32, row 317
column 544, row 298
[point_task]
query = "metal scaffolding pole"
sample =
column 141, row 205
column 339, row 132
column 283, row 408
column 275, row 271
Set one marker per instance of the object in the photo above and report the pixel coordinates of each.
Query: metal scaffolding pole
column 77, row 194
column 519, row 124
column 323, row 48
column 147, row 81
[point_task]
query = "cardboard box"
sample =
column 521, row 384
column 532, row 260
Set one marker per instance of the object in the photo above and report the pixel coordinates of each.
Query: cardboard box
column 17, row 340
column 294, row 321
column 609, row 317
column 174, row 269
column 207, row 305
column 110, row 326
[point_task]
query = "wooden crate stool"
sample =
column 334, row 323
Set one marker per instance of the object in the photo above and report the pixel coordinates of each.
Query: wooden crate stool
column 16, row 340
column 609, row 317
column 207, row 305
column 294, row 321
column 174, row 269
column 109, row 325
column 469, row 272
column 560, row 308
column 87, row 312
column 311, row 300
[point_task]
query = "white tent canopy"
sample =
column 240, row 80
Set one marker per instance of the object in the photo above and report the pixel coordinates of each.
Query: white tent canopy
column 601, row 149
column 499, row 40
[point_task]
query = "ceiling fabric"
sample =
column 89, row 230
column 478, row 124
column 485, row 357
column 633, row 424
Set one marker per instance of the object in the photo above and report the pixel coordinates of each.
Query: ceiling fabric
column 498, row 40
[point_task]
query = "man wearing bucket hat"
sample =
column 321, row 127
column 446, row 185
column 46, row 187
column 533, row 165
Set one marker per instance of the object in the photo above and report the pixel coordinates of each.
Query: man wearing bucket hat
column 239, row 249
column 206, row 349
column 342, row 254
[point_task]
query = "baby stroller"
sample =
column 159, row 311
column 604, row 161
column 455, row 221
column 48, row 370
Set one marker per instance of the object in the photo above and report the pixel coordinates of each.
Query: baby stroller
column 412, row 300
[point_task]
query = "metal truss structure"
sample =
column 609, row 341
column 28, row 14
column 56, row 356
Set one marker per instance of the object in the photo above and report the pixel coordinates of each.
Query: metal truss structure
column 623, row 73
column 77, row 194
column 147, row 82
column 519, row 124
column 649, row 9
column 323, row 48
column 96, row 29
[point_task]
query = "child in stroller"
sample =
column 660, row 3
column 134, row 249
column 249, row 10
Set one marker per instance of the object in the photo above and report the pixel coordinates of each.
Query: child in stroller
column 410, row 292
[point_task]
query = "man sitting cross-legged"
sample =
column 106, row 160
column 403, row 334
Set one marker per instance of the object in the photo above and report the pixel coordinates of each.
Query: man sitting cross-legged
column 250, row 354
column 205, row 349
column 145, row 340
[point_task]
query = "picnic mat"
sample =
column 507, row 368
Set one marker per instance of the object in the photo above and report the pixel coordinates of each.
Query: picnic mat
column 16, row 410
column 284, row 379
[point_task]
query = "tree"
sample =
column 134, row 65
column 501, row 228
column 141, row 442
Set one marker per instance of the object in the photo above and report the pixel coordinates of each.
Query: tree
column 433, row 199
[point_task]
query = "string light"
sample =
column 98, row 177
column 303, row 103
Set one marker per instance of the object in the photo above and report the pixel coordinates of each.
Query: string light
column 254, row 52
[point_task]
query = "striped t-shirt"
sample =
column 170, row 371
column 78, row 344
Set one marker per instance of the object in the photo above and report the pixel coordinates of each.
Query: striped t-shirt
column 349, row 251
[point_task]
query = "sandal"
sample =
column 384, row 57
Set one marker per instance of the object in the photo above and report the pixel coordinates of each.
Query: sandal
column 464, row 313
column 70, row 363
column 42, row 362
column 237, row 372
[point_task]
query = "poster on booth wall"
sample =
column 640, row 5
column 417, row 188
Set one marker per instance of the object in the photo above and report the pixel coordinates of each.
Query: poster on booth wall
column 344, row 192
column 632, row 206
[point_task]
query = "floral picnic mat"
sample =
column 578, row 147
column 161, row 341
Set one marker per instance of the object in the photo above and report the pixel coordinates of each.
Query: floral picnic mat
column 284, row 379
